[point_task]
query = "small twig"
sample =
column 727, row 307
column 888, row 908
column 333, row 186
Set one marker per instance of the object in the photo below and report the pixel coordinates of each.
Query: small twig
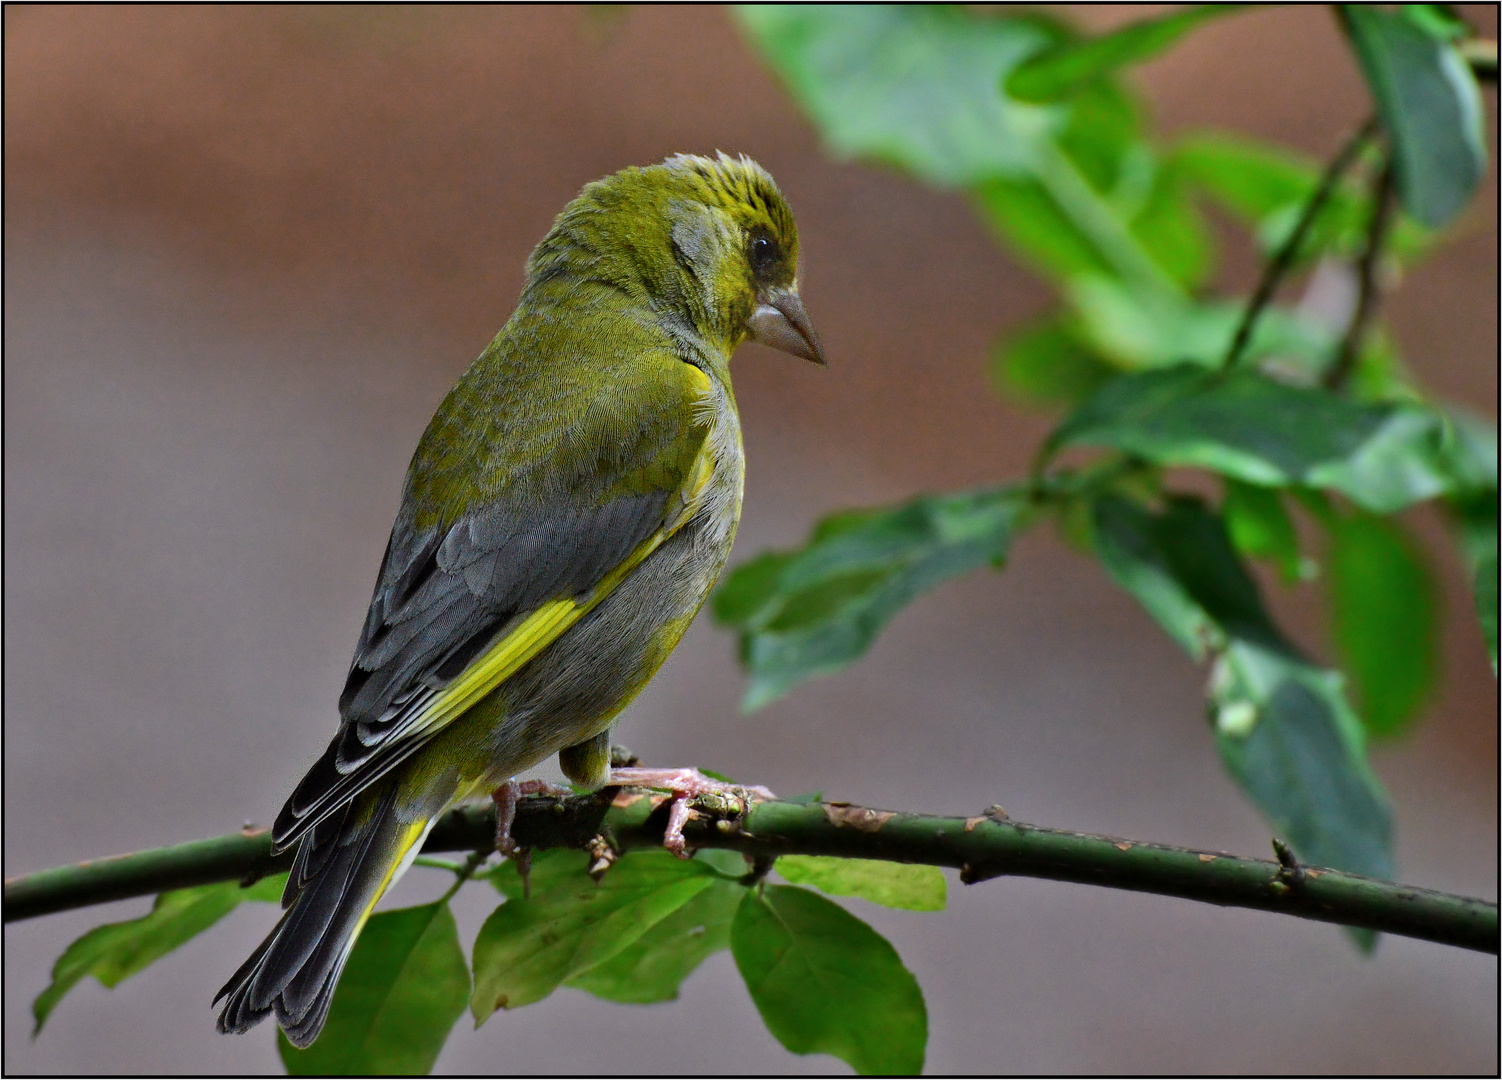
column 465, row 872
column 1368, row 288
column 1282, row 260
column 432, row 862
column 760, row 867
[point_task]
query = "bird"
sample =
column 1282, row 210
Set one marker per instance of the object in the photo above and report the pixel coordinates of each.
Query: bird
column 566, row 513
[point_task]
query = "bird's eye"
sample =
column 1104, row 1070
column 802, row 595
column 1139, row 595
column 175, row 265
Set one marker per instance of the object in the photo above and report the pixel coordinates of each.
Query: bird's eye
column 763, row 256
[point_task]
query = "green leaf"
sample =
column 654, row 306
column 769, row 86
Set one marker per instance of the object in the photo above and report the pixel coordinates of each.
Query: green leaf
column 1100, row 202
column 405, row 985
column 655, row 965
column 1134, row 329
column 1181, row 568
column 1301, row 761
column 1267, row 186
column 1385, row 619
column 1477, row 520
column 1064, row 228
column 1172, row 231
column 826, row 603
column 1486, row 601
column 1066, row 67
column 743, row 594
column 1283, row 727
column 894, row 885
column 1028, row 218
column 914, row 86
column 1438, row 21
column 1380, row 373
column 1104, row 138
column 1259, row 526
column 729, row 864
column 1248, row 427
column 1042, row 363
column 526, row 948
column 114, row 952
column 826, row 983
column 1430, row 106
column 1470, row 453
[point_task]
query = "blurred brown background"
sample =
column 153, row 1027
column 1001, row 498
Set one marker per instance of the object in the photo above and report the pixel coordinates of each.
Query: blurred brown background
column 246, row 252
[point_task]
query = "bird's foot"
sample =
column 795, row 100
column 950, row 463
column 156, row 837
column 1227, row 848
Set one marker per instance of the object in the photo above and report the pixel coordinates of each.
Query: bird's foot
column 685, row 784
column 505, row 798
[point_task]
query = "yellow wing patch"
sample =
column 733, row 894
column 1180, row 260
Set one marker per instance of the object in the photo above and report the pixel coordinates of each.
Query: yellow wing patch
column 548, row 622
column 411, row 836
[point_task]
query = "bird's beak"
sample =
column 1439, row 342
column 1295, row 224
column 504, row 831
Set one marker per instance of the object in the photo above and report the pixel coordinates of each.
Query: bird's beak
column 781, row 322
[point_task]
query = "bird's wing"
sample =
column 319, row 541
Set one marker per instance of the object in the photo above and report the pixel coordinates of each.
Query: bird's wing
column 460, row 607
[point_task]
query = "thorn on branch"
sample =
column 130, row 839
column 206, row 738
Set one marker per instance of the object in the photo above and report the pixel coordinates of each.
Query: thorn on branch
column 1291, row 872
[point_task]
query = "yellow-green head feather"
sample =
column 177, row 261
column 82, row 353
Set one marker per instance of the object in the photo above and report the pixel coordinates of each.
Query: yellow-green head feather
column 644, row 269
column 694, row 238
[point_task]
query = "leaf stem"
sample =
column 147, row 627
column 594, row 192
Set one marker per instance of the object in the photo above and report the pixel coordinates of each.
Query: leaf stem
column 1105, row 228
column 434, row 863
column 981, row 847
column 1281, row 262
column 465, row 872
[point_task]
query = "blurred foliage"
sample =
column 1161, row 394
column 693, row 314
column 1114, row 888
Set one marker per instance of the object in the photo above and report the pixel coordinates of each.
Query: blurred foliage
column 114, row 952
column 814, row 611
column 1033, row 122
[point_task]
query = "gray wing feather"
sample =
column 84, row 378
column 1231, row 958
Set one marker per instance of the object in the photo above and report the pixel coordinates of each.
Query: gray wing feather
column 442, row 596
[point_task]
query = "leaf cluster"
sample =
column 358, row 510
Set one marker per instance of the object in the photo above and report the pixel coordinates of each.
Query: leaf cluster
column 823, row 980
column 1303, row 412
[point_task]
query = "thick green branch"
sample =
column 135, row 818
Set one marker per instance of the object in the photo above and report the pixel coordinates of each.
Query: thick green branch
column 981, row 847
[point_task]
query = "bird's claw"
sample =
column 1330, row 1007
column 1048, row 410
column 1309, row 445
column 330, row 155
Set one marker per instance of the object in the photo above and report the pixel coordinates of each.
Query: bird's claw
column 505, row 798
column 685, row 785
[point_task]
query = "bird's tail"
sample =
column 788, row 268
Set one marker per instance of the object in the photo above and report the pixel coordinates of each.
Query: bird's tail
column 344, row 865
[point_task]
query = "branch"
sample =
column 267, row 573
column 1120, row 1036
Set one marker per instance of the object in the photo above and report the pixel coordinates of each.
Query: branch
column 1481, row 54
column 1282, row 260
column 1368, row 290
column 982, row 847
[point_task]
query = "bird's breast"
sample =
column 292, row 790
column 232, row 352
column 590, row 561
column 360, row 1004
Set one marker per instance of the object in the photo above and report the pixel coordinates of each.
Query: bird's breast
column 719, row 512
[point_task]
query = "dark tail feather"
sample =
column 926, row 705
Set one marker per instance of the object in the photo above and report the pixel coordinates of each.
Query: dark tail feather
column 342, row 874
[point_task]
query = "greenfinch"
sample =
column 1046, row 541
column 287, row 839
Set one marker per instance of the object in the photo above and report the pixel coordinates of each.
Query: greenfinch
column 565, row 515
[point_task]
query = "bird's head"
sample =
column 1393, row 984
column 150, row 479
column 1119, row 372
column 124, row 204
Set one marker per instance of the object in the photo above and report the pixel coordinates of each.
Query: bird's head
column 707, row 242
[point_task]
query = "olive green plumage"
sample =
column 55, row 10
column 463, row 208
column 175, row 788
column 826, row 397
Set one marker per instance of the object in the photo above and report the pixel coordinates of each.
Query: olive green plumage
column 564, row 516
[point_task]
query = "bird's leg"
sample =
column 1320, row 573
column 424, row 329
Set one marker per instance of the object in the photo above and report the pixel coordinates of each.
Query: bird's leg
column 505, row 798
column 685, row 784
